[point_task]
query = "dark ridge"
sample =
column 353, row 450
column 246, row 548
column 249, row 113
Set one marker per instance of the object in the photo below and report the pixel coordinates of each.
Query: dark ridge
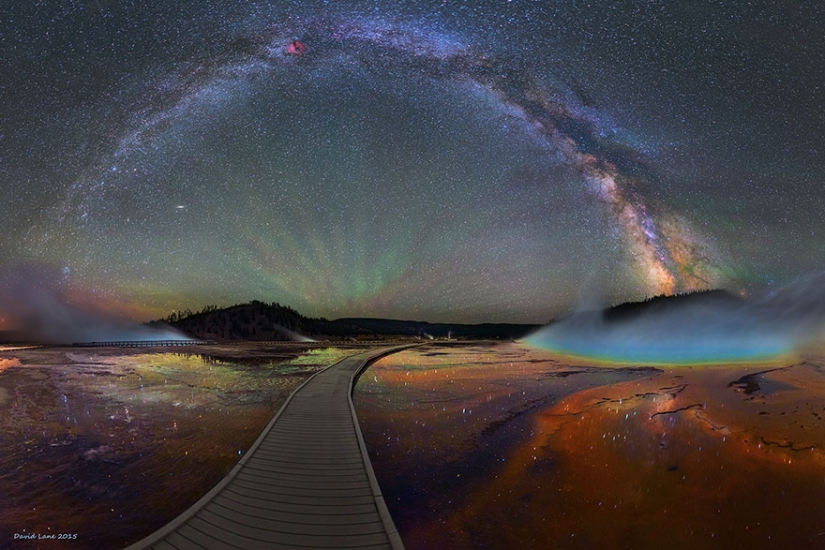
column 259, row 321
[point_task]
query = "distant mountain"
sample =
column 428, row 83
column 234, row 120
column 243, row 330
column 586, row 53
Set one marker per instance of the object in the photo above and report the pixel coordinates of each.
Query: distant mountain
column 440, row 330
column 261, row 321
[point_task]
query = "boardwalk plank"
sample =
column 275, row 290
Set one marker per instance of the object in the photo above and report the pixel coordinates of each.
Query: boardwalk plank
column 333, row 484
column 309, row 483
column 297, row 516
column 165, row 545
column 320, row 474
column 301, row 463
column 298, row 499
column 325, row 457
column 319, row 452
column 327, row 512
column 270, row 524
column 320, row 460
column 216, row 523
column 278, row 437
column 204, row 540
column 313, row 492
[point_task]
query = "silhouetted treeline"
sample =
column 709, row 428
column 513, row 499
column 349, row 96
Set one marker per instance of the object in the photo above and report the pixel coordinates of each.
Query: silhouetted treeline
column 261, row 321
column 255, row 320
column 180, row 315
column 663, row 302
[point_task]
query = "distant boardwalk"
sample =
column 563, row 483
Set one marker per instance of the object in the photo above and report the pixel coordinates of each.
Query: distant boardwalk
column 307, row 481
column 142, row 343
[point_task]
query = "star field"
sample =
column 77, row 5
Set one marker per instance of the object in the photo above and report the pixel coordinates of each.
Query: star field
column 447, row 161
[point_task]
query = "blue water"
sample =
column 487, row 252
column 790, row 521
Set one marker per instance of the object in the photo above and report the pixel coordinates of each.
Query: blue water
column 659, row 345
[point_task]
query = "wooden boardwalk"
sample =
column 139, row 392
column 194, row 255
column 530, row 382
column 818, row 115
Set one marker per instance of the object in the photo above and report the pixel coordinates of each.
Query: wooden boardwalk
column 143, row 343
column 307, row 481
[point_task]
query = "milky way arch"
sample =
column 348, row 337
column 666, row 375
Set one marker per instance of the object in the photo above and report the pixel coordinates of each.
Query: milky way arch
column 667, row 255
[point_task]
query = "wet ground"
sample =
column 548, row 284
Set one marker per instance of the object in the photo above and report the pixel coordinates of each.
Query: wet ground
column 512, row 447
column 108, row 445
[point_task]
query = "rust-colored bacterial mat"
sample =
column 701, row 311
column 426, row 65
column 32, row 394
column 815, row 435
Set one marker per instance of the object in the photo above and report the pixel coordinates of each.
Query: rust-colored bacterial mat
column 511, row 447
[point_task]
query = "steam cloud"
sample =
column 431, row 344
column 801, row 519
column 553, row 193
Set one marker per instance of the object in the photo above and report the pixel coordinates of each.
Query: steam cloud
column 291, row 335
column 714, row 327
column 33, row 302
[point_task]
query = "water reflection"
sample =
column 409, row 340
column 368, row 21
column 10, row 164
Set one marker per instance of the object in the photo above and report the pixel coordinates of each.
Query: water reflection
column 131, row 439
column 567, row 455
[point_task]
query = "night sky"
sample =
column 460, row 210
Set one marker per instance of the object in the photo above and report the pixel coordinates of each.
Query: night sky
column 433, row 160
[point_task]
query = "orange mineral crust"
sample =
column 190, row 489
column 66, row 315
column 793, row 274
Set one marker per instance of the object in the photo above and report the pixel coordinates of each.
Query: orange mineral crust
column 681, row 457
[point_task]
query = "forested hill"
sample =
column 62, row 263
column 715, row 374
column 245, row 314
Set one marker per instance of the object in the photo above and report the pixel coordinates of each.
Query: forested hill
column 671, row 304
column 261, row 321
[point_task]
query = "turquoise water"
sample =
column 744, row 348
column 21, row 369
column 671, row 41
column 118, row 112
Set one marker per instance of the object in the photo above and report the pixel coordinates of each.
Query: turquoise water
column 697, row 347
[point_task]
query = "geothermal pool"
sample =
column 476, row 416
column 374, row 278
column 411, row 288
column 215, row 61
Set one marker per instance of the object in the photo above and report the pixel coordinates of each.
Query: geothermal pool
column 513, row 447
column 109, row 444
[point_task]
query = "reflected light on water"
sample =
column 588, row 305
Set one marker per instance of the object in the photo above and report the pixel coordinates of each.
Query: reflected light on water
column 131, row 439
